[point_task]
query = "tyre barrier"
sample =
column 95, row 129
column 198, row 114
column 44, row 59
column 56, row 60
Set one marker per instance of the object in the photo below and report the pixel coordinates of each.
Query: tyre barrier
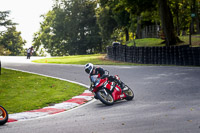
column 173, row 55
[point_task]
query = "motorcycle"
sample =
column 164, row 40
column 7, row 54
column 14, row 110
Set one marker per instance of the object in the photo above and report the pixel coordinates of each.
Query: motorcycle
column 3, row 115
column 108, row 92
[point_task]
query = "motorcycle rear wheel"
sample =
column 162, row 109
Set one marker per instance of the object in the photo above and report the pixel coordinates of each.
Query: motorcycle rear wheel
column 3, row 115
column 129, row 93
column 105, row 97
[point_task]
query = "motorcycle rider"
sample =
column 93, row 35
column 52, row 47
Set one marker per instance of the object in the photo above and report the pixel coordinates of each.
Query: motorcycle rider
column 92, row 70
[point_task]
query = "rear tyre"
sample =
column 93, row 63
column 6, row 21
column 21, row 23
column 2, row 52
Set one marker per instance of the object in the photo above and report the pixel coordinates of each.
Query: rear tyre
column 105, row 97
column 128, row 92
column 3, row 116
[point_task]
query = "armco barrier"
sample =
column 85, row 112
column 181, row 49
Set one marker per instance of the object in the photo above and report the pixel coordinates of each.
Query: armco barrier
column 173, row 55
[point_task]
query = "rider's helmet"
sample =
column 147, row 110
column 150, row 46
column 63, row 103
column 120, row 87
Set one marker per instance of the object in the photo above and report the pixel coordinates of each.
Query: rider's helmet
column 88, row 68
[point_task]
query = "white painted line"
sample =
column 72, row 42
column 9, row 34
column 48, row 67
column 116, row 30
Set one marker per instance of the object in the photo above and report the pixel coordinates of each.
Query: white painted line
column 65, row 105
column 49, row 76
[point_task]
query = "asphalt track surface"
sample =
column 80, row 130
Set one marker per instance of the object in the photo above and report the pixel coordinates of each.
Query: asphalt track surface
column 167, row 100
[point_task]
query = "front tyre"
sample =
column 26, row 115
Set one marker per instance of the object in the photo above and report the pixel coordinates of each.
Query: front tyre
column 128, row 92
column 3, row 116
column 105, row 97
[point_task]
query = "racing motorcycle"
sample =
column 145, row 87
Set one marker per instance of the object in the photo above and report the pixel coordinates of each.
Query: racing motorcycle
column 3, row 115
column 108, row 92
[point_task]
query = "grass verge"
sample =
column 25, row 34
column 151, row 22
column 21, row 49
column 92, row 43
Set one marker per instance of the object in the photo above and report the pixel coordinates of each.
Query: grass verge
column 147, row 42
column 97, row 59
column 21, row 91
column 156, row 42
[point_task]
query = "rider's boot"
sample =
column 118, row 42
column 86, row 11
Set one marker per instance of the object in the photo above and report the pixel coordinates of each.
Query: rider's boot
column 121, row 84
column 113, row 84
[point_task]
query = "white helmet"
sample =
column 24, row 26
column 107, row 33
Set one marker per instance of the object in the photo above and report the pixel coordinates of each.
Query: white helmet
column 88, row 68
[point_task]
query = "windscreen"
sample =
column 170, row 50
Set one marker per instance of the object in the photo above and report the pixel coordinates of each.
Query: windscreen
column 93, row 78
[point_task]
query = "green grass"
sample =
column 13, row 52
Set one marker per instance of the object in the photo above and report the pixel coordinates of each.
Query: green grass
column 21, row 91
column 146, row 42
column 97, row 59
column 156, row 42
column 195, row 40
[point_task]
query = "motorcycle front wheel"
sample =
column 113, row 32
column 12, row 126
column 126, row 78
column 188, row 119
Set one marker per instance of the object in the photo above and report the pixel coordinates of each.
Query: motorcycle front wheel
column 105, row 97
column 129, row 93
column 3, row 115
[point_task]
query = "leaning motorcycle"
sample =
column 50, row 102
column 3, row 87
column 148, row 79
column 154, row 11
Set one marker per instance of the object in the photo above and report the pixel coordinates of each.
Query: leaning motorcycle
column 3, row 115
column 108, row 92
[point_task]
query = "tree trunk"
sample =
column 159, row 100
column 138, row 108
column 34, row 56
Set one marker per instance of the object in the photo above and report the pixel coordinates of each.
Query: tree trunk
column 127, row 34
column 167, row 23
column 198, row 23
column 192, row 12
column 177, row 19
column 197, row 16
column 100, row 47
column 138, row 32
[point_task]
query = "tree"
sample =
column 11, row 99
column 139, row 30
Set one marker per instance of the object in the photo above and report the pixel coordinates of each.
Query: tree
column 106, row 22
column 137, row 7
column 113, row 17
column 3, row 19
column 167, row 23
column 80, row 26
column 4, row 51
column 70, row 28
column 195, row 18
column 47, row 35
column 6, row 37
column 84, row 31
column 12, row 41
column 180, row 12
column 122, row 17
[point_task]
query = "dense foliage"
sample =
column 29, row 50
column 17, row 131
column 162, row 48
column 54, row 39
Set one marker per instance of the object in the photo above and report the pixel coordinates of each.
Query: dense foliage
column 70, row 28
column 11, row 42
column 88, row 26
